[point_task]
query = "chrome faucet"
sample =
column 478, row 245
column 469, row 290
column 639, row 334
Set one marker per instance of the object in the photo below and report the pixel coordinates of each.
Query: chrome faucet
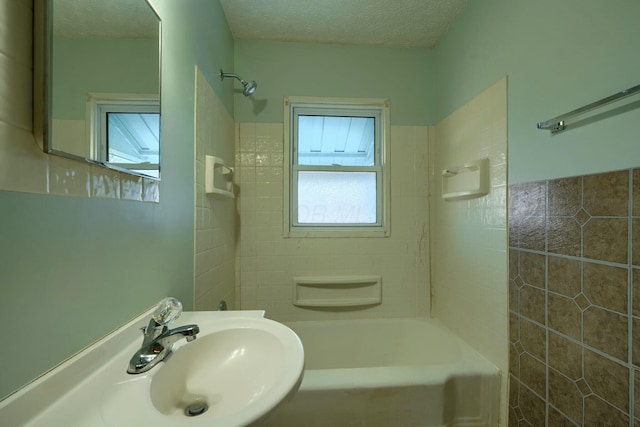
column 158, row 338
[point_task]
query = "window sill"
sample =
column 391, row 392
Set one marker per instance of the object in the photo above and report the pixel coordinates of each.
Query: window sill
column 343, row 232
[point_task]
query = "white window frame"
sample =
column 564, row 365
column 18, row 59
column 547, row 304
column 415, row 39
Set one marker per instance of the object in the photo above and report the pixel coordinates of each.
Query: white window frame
column 378, row 108
column 98, row 105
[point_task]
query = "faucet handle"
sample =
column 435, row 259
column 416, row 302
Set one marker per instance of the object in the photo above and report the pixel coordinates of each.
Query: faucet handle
column 168, row 310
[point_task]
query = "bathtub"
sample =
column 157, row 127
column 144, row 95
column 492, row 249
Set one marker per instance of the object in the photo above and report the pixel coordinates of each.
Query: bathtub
column 389, row 373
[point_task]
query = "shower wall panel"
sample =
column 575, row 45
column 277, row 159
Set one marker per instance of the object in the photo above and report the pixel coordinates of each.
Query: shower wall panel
column 469, row 237
column 215, row 234
column 267, row 262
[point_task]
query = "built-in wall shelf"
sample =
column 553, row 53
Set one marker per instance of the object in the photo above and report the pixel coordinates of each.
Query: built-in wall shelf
column 466, row 181
column 218, row 177
column 337, row 291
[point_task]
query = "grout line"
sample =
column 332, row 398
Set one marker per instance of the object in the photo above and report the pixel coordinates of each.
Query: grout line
column 522, row 384
column 546, row 301
column 630, row 301
column 567, row 418
column 571, row 257
column 577, row 342
column 591, row 304
column 582, row 343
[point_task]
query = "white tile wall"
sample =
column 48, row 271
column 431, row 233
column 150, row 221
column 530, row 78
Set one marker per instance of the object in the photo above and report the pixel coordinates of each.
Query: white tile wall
column 215, row 233
column 105, row 183
column 266, row 261
column 68, row 178
column 469, row 241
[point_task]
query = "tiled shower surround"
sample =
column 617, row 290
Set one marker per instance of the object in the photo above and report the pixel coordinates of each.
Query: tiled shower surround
column 574, row 270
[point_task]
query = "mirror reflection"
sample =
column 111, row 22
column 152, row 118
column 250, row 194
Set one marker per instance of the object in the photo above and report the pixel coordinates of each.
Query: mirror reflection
column 104, row 102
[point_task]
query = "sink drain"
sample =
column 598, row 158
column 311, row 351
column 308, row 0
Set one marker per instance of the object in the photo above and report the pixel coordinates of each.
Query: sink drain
column 196, row 409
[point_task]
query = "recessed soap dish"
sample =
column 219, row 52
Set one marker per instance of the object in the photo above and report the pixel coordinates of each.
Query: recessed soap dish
column 466, row 181
column 218, row 177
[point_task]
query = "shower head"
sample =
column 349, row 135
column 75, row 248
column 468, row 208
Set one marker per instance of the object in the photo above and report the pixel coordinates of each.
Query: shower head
column 249, row 87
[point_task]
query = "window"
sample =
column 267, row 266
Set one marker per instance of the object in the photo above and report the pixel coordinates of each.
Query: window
column 336, row 168
column 125, row 132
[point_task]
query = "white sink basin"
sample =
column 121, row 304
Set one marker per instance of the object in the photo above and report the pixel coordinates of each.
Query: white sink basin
column 236, row 372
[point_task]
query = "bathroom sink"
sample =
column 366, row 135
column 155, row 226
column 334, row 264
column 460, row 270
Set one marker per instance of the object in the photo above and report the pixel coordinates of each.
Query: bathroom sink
column 237, row 371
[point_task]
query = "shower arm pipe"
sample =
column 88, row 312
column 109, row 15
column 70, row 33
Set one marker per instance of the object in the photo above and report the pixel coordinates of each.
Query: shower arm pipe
column 223, row 75
column 558, row 123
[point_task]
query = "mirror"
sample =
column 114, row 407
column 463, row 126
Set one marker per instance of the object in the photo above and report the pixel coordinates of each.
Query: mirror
column 103, row 86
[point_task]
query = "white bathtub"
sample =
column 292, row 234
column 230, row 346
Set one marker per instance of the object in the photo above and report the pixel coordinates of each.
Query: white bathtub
column 389, row 373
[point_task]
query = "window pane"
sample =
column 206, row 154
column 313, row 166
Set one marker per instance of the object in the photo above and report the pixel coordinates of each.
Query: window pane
column 336, row 197
column 332, row 140
column 133, row 138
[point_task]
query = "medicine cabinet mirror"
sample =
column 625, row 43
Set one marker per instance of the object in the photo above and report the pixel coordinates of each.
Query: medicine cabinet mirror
column 101, row 94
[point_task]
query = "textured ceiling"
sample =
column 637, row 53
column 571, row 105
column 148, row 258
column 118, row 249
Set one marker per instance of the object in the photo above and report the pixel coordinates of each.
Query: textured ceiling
column 407, row 23
column 104, row 18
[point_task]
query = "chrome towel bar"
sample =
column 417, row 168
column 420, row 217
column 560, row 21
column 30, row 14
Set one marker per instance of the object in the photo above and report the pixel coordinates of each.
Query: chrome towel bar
column 559, row 123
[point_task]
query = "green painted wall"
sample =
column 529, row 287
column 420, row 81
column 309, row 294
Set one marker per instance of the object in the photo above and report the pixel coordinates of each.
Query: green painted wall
column 558, row 55
column 193, row 32
column 73, row 269
column 405, row 76
column 100, row 65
